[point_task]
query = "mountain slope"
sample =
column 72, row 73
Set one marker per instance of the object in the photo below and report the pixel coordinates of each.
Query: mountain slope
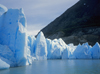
column 82, row 19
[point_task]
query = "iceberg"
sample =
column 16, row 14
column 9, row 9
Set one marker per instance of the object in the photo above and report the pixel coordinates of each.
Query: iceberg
column 65, row 54
column 71, row 48
column 48, row 42
column 17, row 48
column 7, row 55
column 41, row 47
column 82, row 52
column 31, row 44
column 95, row 51
column 62, row 44
column 4, row 65
column 57, row 47
column 31, row 48
column 55, row 50
column 77, row 52
column 13, row 34
column 68, row 52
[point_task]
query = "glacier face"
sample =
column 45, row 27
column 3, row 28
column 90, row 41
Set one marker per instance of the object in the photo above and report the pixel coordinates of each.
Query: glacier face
column 41, row 47
column 95, row 51
column 7, row 55
column 13, row 34
column 82, row 52
column 17, row 48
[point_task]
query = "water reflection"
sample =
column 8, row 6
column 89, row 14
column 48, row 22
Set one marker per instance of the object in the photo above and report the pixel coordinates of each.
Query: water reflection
column 57, row 67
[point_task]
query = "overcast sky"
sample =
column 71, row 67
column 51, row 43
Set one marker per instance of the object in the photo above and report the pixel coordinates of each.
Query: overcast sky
column 39, row 13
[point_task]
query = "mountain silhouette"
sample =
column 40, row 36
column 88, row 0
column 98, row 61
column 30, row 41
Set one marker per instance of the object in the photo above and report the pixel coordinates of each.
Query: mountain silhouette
column 78, row 24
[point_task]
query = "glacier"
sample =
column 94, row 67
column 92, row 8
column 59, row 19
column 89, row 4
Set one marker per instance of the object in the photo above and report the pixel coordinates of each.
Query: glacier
column 95, row 51
column 82, row 52
column 18, row 48
column 7, row 55
column 3, row 65
column 13, row 34
column 41, row 47
column 3, row 9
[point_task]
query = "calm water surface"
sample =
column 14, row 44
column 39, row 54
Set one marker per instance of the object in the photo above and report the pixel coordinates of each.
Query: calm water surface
column 57, row 67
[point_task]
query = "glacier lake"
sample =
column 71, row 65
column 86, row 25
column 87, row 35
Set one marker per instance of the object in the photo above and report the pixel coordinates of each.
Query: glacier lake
column 57, row 67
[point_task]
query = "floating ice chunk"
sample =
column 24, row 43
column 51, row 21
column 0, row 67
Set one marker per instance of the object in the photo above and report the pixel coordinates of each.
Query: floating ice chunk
column 41, row 47
column 4, row 65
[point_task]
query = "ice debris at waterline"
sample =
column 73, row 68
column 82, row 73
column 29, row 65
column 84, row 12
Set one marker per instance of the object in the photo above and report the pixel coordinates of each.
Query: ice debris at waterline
column 17, row 48
column 4, row 65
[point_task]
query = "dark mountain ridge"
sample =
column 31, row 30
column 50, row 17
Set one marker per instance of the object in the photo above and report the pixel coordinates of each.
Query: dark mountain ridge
column 77, row 24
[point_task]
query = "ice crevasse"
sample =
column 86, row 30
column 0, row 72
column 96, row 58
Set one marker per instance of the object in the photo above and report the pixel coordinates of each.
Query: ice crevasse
column 17, row 48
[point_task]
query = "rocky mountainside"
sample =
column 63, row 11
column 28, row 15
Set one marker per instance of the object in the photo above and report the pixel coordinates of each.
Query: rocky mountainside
column 78, row 24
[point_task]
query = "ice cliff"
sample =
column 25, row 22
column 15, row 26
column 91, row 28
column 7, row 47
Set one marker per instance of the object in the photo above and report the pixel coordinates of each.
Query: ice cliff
column 17, row 48
column 13, row 34
column 41, row 47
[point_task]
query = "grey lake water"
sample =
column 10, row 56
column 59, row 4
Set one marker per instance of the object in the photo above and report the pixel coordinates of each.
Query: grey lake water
column 57, row 67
